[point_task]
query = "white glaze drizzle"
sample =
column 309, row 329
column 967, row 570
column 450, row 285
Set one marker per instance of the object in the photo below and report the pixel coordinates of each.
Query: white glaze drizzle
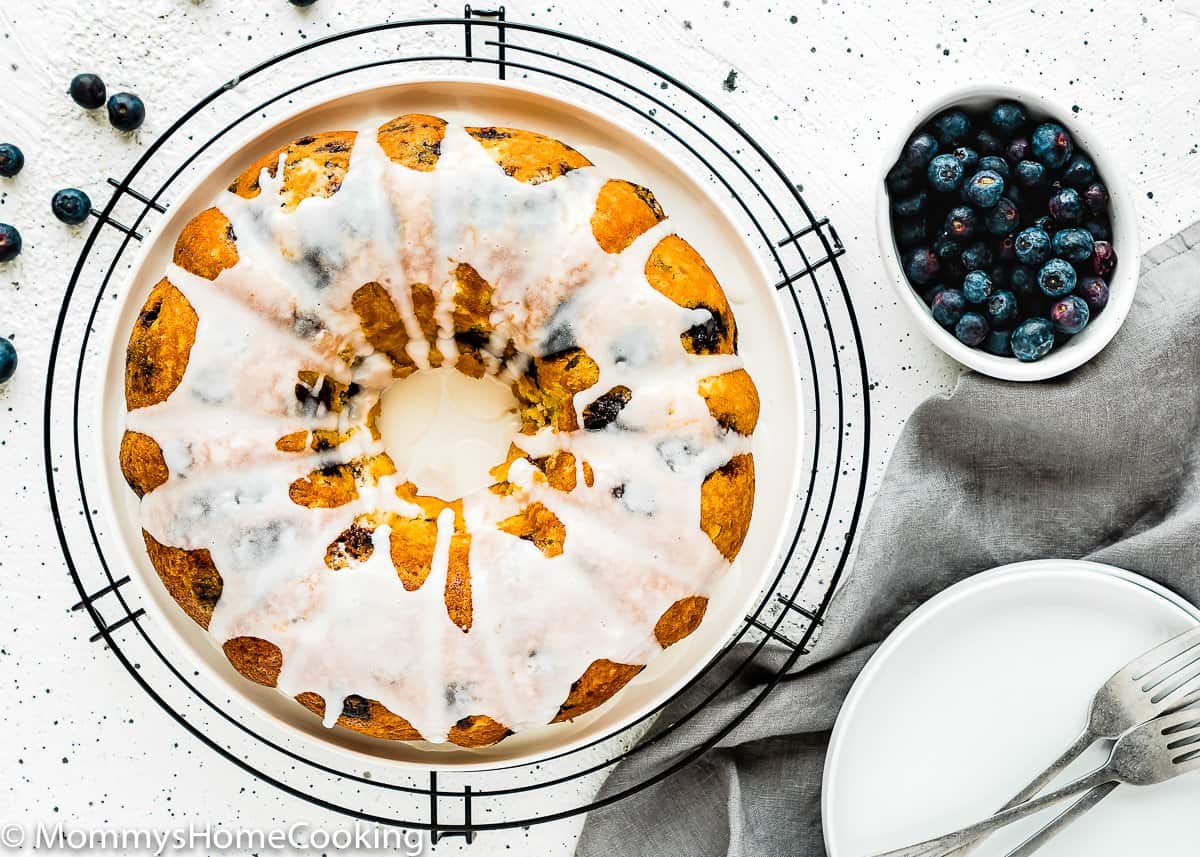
column 538, row 622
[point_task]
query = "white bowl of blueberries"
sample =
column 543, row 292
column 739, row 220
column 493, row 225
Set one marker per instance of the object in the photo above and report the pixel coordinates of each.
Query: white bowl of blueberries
column 1009, row 233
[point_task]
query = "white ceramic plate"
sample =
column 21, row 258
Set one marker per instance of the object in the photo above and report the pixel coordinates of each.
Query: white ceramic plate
column 764, row 342
column 979, row 690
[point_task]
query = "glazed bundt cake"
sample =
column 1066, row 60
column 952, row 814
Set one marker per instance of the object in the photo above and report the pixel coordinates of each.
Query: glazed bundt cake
column 337, row 266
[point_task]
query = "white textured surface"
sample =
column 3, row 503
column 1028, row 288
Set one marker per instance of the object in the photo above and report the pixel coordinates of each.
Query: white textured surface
column 82, row 746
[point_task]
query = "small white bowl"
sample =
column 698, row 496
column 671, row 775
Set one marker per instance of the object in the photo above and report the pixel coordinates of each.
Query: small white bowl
column 1083, row 346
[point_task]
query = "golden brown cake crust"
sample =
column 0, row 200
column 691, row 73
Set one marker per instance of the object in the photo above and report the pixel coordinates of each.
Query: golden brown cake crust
column 207, row 245
column 142, row 463
column 159, row 346
column 624, row 211
column 726, row 502
column 189, row 576
column 527, row 156
column 256, row 659
column 595, row 687
column 413, row 140
column 732, row 399
column 680, row 619
column 313, row 166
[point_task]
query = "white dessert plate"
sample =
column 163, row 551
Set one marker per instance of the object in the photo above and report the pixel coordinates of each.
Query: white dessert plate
column 764, row 342
column 979, row 690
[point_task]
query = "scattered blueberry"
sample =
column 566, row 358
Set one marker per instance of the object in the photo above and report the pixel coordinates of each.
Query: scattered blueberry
column 1051, row 144
column 71, row 205
column 948, row 307
column 1094, row 291
column 11, row 160
column 1023, row 281
column 1001, row 309
column 10, row 242
column 945, row 173
column 999, row 342
column 972, row 329
column 976, row 256
column 920, row 150
column 1008, row 118
column 8, row 360
column 996, row 164
column 983, row 189
column 1017, row 150
column 1032, row 245
column 969, row 158
column 87, row 90
column 952, row 128
column 977, row 286
column 1070, row 315
column 1056, row 278
column 1066, row 206
column 1104, row 259
column 910, row 231
column 1099, row 229
column 921, row 265
column 1073, row 244
column 987, row 143
column 961, row 222
column 1079, row 170
column 1032, row 340
column 302, row 3
column 1003, row 217
column 126, row 112
column 1095, row 197
column 908, row 206
column 1029, row 173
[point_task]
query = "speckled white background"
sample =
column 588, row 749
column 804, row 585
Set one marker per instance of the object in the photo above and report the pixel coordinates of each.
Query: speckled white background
column 819, row 84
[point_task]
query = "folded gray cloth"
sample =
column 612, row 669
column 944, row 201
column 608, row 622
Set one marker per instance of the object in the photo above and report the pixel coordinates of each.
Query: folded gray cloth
column 1101, row 463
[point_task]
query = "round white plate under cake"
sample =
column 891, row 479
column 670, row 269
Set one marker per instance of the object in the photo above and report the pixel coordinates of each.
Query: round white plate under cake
column 765, row 344
column 979, row 690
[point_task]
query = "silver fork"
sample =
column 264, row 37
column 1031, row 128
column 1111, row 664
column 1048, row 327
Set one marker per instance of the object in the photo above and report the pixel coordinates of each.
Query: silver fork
column 1154, row 684
column 1147, row 754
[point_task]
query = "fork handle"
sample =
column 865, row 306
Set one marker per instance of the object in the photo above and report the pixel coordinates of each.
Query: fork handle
column 944, row 845
column 1053, row 828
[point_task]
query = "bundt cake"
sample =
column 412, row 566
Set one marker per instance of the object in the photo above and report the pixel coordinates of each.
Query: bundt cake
column 337, row 266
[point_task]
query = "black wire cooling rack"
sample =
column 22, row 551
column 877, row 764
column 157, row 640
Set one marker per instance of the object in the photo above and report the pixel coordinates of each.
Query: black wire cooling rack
column 799, row 249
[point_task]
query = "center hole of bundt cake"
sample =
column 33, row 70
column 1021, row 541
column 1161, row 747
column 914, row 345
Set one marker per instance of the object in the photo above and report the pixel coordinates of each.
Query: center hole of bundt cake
column 445, row 430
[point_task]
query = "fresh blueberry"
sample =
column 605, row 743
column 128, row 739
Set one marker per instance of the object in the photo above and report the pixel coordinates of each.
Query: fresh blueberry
column 1030, row 173
column 71, row 205
column 983, row 189
column 921, row 265
column 972, row 329
column 8, row 360
column 961, row 222
column 945, row 247
column 919, row 150
column 1023, row 281
column 948, row 307
column 977, row 286
column 999, row 342
column 910, row 231
column 1002, row 218
column 1017, row 150
column 952, row 128
column 1032, row 246
column 1014, row 194
column 945, row 173
column 1100, row 230
column 901, row 179
column 996, row 164
column 1073, row 244
column 1046, row 224
column 1008, row 118
column 1066, row 206
column 987, row 143
column 1001, row 309
column 931, row 293
column 1051, row 144
column 1104, row 259
column 126, row 112
column 908, row 206
column 1095, row 197
column 1070, row 315
column 11, row 160
column 1079, row 170
column 10, row 242
column 87, row 90
column 1056, row 278
column 1094, row 292
column 977, row 256
column 1001, row 277
column 969, row 158
column 1006, row 250
column 1033, row 339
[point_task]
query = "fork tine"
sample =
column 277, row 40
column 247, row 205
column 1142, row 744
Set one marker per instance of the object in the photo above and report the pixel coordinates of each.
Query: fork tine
column 1181, row 720
column 1188, row 761
column 1173, row 667
column 1175, row 682
column 1159, row 655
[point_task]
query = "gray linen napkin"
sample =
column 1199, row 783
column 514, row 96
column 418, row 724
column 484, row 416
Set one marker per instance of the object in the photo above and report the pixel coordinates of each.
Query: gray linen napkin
column 1102, row 463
